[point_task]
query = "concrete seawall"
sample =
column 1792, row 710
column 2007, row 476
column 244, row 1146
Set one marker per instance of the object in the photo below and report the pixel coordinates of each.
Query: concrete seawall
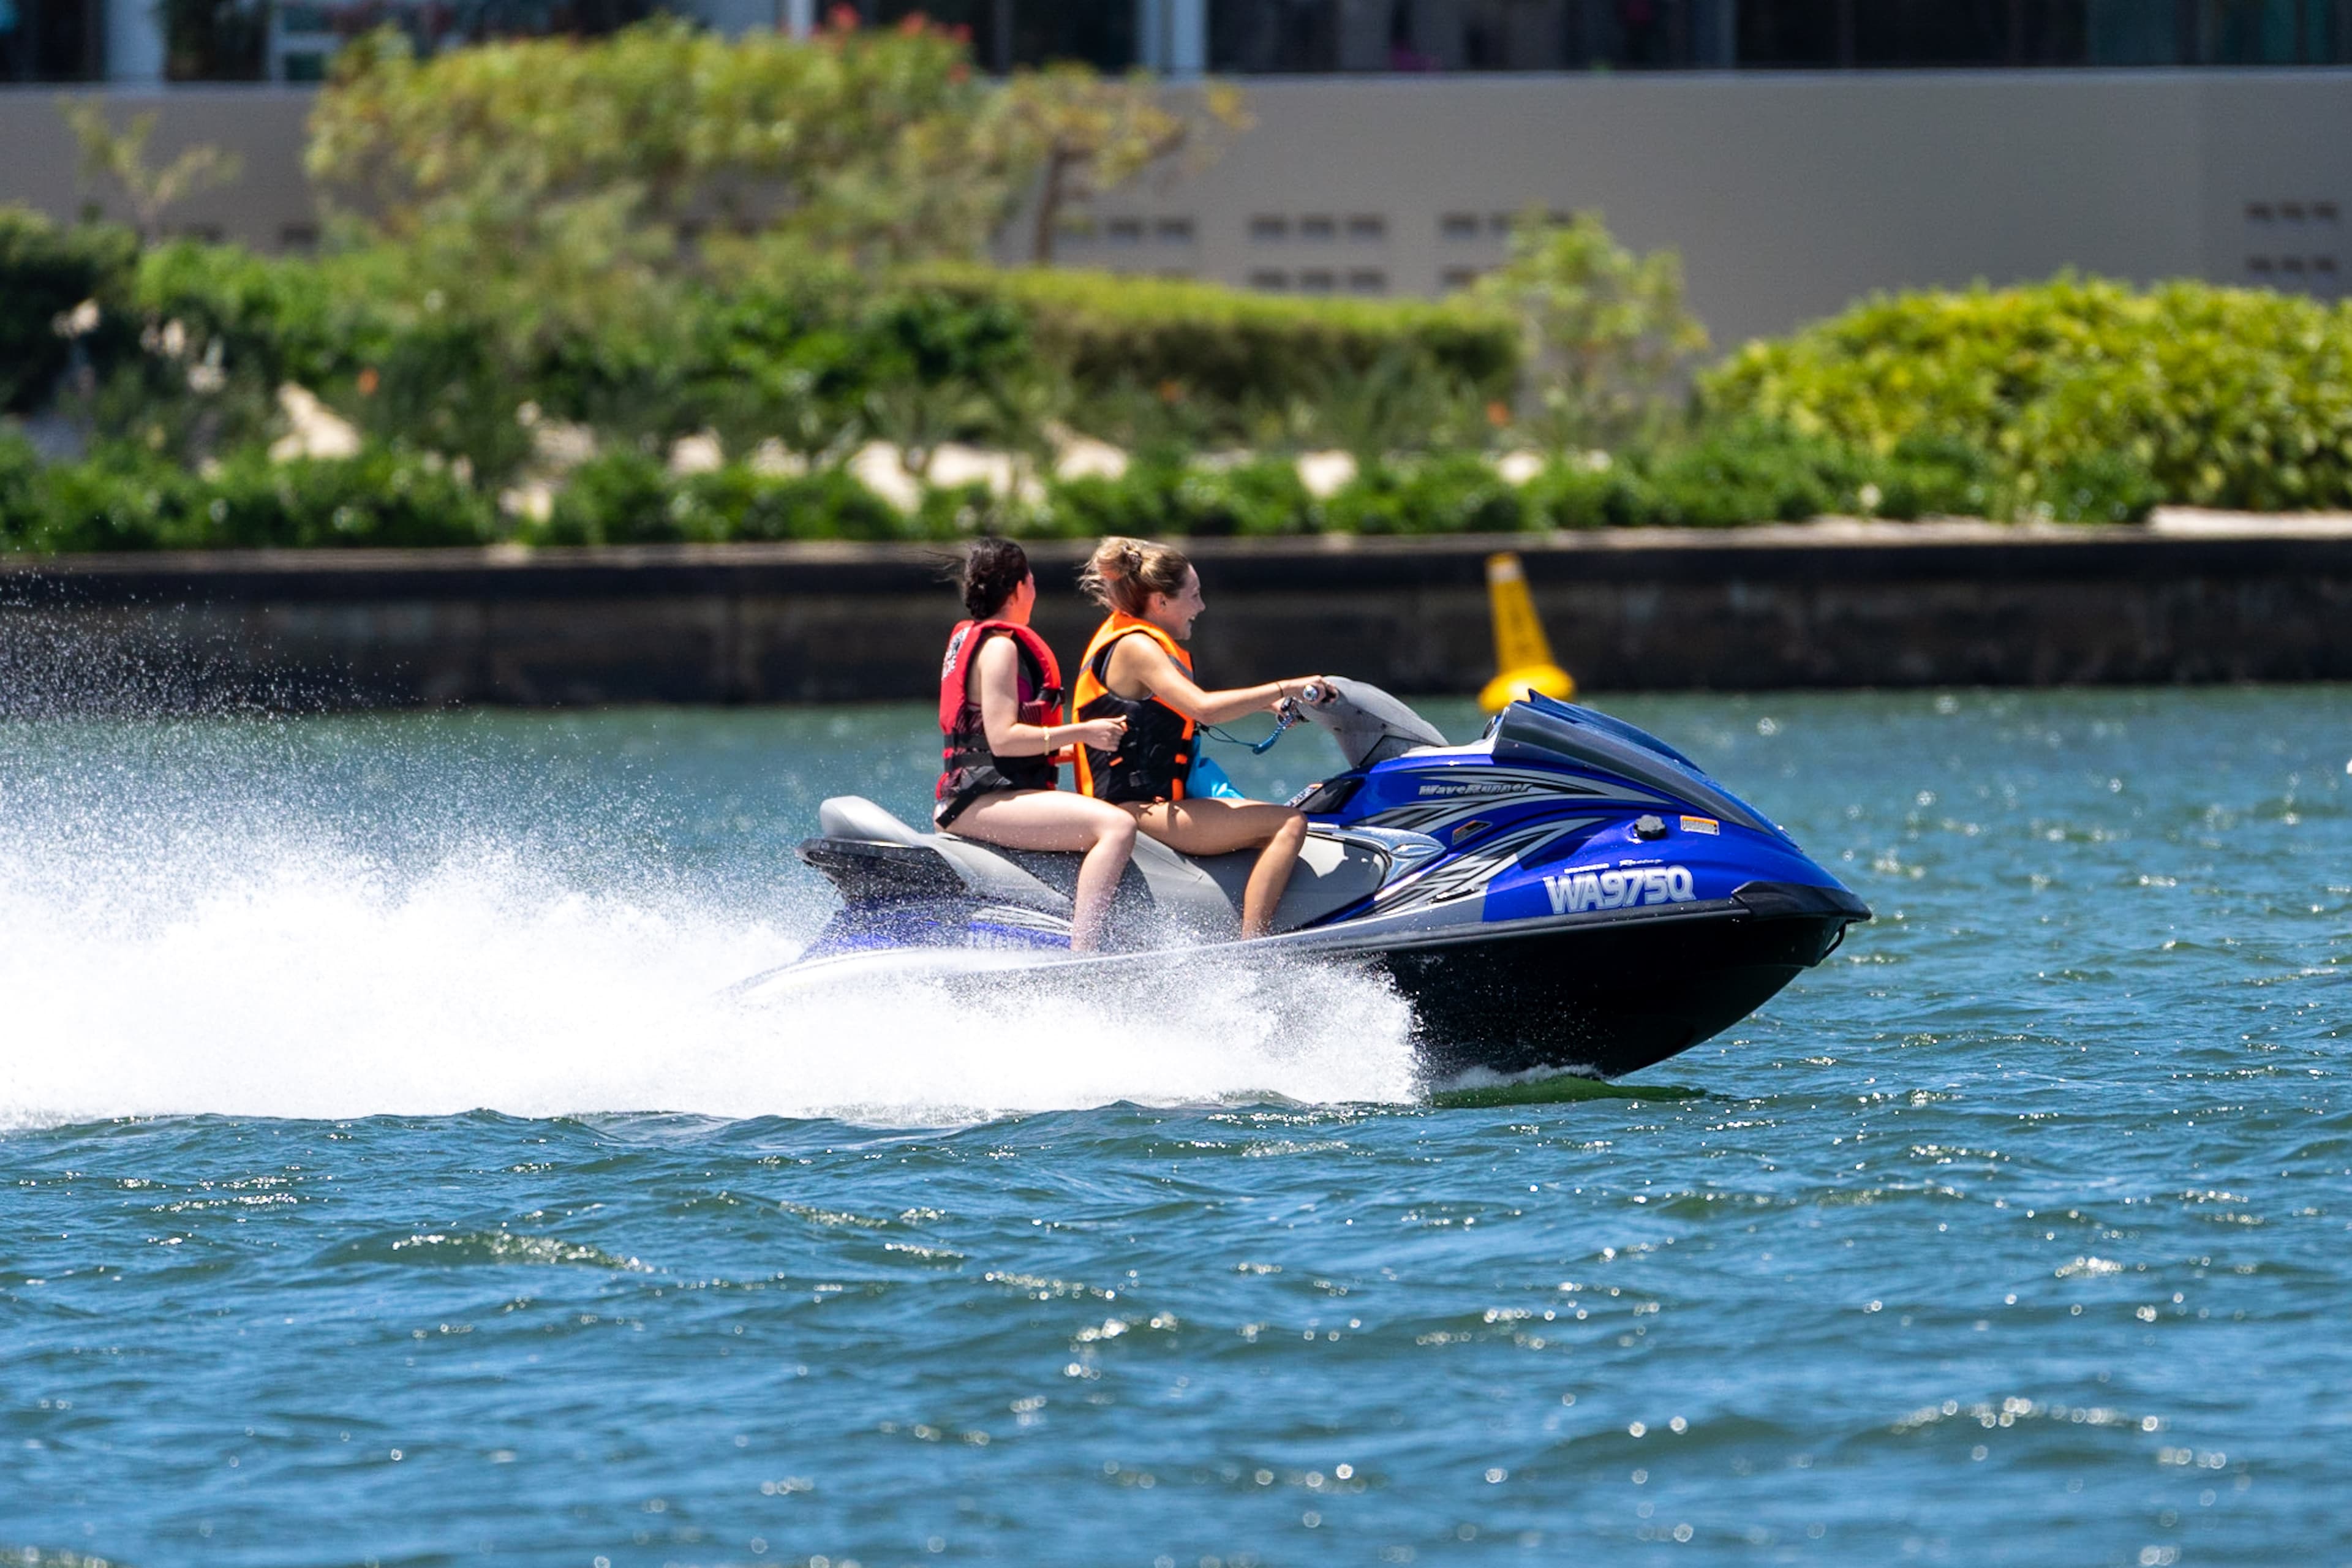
column 1818, row 605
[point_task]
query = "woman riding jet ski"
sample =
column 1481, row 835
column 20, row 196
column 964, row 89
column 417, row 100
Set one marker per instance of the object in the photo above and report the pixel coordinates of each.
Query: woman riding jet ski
column 1136, row 671
column 1566, row 893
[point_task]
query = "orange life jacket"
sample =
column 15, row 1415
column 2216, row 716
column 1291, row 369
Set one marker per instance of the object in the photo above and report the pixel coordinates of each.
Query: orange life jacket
column 1154, row 760
column 968, row 768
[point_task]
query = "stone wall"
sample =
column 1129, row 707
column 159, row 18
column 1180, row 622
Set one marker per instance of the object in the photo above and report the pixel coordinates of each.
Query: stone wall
column 1836, row 606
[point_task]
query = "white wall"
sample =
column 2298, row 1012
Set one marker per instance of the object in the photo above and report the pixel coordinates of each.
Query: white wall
column 1788, row 195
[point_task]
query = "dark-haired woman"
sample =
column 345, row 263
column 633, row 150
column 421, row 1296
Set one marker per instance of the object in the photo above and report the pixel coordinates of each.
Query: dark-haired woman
column 1137, row 670
column 1001, row 717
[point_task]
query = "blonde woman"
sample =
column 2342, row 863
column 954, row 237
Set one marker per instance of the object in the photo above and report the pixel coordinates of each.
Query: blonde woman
column 1137, row 670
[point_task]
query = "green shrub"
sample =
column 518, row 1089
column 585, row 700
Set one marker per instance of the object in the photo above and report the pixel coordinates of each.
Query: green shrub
column 2220, row 396
column 1576, row 494
column 125, row 497
column 621, row 496
column 2100, row 487
column 382, row 497
column 1460, row 493
column 1255, row 499
column 20, row 480
column 1234, row 349
column 827, row 504
column 627, row 496
column 121, row 496
column 1937, row 476
column 45, row 272
column 1754, row 471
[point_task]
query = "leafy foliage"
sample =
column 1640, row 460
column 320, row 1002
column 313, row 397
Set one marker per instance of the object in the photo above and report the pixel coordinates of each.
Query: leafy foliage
column 1235, row 362
column 119, row 158
column 44, row 273
column 126, row 498
column 1607, row 337
column 2092, row 399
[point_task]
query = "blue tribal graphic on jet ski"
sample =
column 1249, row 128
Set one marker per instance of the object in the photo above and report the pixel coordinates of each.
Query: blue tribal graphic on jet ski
column 1566, row 893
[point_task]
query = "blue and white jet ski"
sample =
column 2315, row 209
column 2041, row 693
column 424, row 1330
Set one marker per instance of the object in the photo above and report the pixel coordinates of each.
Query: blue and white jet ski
column 1566, row 893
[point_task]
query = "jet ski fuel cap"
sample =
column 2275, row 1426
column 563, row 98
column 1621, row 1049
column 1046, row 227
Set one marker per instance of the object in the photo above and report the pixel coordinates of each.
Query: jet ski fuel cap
column 1649, row 827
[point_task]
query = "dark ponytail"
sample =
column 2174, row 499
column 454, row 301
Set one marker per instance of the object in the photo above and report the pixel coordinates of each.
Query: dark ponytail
column 993, row 569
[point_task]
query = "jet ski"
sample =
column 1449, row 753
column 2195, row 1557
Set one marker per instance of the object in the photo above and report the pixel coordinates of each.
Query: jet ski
column 1566, row 893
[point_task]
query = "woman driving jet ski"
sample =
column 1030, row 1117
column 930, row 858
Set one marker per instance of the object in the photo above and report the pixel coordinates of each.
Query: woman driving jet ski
column 1001, row 722
column 1136, row 671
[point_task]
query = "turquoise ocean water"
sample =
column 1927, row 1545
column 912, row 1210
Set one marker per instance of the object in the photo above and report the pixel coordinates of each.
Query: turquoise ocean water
column 385, row 1181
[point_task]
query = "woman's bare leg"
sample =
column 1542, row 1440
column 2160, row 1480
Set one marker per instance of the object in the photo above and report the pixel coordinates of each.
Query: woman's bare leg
column 1054, row 819
column 1221, row 827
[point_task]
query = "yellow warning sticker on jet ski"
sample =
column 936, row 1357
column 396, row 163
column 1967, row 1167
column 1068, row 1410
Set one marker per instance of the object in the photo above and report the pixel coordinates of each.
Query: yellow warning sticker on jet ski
column 1701, row 825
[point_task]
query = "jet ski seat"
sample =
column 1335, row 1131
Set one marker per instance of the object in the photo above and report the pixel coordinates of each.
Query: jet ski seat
column 982, row 870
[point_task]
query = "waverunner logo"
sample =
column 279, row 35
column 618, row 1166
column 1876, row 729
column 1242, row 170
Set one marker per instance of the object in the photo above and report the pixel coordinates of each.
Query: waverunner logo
column 1573, row 892
column 1481, row 788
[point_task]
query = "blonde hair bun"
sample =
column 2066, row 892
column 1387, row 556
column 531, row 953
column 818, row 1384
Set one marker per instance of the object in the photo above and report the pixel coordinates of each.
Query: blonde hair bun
column 1123, row 573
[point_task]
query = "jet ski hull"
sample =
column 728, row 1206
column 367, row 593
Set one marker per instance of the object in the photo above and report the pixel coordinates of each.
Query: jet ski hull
column 1604, row 999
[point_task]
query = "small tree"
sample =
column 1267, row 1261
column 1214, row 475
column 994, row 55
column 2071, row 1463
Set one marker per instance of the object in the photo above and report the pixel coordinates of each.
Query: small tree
column 120, row 157
column 1084, row 134
column 1608, row 337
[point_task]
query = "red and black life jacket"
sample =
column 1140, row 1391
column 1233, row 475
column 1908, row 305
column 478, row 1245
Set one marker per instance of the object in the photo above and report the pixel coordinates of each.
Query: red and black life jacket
column 1154, row 758
column 968, row 768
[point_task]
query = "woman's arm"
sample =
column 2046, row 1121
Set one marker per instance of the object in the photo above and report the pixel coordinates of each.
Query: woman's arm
column 997, row 675
column 1139, row 661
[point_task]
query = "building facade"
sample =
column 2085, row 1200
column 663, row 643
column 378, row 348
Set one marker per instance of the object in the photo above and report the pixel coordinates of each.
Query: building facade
column 290, row 40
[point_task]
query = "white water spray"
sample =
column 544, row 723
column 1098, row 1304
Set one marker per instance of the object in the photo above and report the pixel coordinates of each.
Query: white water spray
column 234, row 948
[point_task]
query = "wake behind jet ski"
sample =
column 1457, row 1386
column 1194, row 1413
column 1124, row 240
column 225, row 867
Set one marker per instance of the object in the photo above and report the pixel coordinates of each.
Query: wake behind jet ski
column 1566, row 892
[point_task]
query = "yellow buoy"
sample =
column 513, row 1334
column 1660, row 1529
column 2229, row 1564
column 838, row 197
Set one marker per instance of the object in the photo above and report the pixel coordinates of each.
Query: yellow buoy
column 1522, row 656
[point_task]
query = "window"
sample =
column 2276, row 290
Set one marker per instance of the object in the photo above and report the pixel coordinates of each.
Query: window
column 299, row 236
column 1173, row 231
column 1458, row 226
column 1267, row 230
column 1316, row 282
column 1368, row 280
column 1272, row 281
column 1124, row 231
column 1366, row 227
column 1454, row 277
column 1318, row 227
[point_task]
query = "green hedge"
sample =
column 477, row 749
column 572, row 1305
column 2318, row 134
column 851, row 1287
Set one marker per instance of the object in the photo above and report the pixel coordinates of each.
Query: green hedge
column 127, row 498
column 1229, row 346
column 2092, row 399
column 45, row 272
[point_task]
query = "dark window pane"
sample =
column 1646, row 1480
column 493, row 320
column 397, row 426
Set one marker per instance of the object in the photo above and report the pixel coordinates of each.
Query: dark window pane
column 1273, row 35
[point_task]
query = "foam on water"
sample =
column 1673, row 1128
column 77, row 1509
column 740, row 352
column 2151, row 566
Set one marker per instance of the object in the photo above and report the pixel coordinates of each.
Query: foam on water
column 228, row 945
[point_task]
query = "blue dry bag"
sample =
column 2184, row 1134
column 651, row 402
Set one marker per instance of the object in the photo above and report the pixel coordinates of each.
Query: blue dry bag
column 1210, row 783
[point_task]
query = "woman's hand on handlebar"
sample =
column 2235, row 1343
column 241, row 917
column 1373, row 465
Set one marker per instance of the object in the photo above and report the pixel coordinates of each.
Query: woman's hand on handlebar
column 1308, row 689
column 1101, row 734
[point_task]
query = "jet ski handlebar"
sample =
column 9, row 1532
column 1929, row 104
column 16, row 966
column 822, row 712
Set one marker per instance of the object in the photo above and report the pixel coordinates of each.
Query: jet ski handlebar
column 1370, row 725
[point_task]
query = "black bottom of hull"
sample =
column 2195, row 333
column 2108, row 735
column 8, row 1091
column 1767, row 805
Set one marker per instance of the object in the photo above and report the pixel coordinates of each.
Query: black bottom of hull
column 1607, row 1000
